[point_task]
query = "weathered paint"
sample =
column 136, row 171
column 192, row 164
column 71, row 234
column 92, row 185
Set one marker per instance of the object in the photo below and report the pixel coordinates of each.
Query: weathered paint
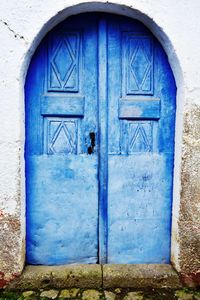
column 127, row 168
column 140, row 145
column 141, row 108
column 103, row 139
column 61, row 178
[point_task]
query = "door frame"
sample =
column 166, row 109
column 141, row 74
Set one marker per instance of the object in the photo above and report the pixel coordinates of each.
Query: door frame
column 167, row 44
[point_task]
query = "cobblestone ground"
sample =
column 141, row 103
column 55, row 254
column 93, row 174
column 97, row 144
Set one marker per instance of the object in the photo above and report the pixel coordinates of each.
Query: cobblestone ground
column 91, row 294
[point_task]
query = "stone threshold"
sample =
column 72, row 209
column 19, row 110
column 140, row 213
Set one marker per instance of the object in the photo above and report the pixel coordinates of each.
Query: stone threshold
column 97, row 276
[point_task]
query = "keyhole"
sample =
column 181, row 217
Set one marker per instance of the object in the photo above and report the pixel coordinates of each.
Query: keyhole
column 92, row 143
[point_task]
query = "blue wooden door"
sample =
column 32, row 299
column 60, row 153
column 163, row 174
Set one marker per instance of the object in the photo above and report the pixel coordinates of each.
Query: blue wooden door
column 141, row 118
column 61, row 125
column 100, row 113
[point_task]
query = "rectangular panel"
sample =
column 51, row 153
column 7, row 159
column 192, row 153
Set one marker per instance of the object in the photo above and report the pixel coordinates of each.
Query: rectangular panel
column 139, row 109
column 64, row 61
column 138, row 136
column 139, row 211
column 59, row 106
column 63, row 209
column 137, row 64
column 60, row 135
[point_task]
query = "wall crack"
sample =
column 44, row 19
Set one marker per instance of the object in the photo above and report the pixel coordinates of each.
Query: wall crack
column 16, row 35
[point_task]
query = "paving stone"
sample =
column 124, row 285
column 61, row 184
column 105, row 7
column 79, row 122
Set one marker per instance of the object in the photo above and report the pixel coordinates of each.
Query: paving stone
column 109, row 295
column 183, row 295
column 117, row 290
column 50, row 294
column 68, row 293
column 91, row 295
column 29, row 295
column 134, row 296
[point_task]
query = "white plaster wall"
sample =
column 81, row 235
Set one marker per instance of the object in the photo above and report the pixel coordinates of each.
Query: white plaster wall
column 23, row 23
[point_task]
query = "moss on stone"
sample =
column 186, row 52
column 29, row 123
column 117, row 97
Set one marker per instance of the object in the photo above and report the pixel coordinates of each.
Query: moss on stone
column 99, row 294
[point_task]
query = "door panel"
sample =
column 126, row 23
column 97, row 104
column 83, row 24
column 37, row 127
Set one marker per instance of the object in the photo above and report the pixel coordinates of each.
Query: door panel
column 100, row 115
column 61, row 120
column 141, row 96
column 138, row 210
column 67, row 216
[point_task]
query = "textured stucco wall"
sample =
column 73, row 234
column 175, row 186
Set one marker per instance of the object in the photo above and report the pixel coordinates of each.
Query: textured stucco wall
column 176, row 24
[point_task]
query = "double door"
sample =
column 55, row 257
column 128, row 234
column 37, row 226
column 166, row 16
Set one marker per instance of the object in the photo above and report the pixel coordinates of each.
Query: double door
column 100, row 113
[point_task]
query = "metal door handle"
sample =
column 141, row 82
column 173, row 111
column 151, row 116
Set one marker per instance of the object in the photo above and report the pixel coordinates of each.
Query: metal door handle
column 92, row 143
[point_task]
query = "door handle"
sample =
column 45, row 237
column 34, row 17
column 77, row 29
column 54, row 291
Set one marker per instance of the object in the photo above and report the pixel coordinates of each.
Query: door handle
column 92, row 142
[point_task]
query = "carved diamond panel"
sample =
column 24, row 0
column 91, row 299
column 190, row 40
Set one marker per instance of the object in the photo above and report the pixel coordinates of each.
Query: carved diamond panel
column 61, row 136
column 138, row 65
column 64, row 62
column 140, row 136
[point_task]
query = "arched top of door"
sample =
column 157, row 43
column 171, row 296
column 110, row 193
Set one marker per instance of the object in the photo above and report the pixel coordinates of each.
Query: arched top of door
column 125, row 10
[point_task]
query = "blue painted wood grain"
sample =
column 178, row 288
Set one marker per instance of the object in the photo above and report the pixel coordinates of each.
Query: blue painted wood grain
column 65, row 106
column 100, row 119
column 139, row 109
column 103, row 140
column 62, row 209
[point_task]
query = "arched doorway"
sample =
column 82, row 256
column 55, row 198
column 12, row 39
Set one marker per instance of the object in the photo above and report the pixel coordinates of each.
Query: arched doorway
column 100, row 115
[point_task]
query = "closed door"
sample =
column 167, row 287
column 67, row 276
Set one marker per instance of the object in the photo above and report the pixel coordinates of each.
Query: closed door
column 100, row 113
